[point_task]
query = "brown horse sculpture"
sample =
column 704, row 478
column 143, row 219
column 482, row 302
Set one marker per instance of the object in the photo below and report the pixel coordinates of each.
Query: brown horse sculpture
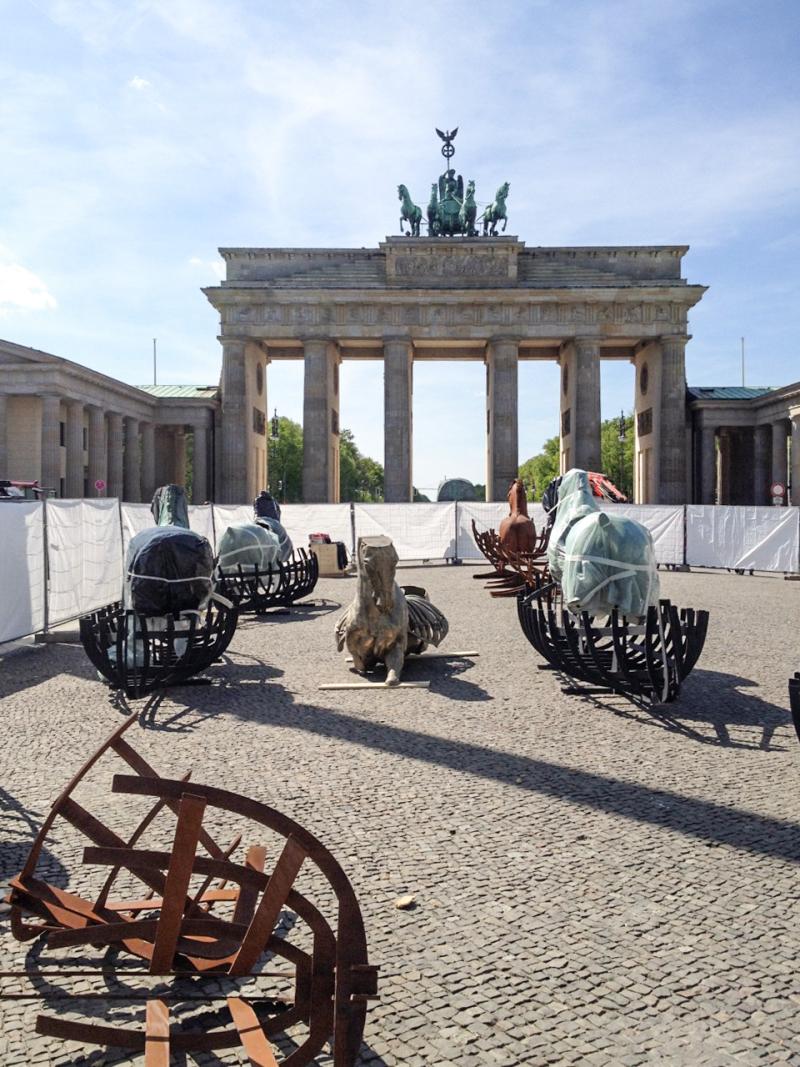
column 517, row 532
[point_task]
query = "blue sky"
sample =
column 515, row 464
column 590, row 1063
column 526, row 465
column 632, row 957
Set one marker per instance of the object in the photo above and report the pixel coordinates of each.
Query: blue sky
column 138, row 137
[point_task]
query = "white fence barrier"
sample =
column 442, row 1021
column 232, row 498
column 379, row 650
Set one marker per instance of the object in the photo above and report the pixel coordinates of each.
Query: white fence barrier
column 22, row 582
column 84, row 541
column 419, row 531
column 84, row 556
column 763, row 539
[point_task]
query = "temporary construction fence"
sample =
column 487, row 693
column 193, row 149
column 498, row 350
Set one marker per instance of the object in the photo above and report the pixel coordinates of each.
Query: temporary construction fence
column 64, row 558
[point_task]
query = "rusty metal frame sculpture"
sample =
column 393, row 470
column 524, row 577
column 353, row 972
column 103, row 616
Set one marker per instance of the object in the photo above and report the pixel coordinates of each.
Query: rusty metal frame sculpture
column 256, row 591
column 646, row 662
column 137, row 654
column 175, row 930
column 794, row 702
column 512, row 570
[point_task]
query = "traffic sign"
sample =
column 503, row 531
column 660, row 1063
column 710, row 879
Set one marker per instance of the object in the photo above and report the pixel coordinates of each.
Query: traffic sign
column 99, row 485
column 777, row 489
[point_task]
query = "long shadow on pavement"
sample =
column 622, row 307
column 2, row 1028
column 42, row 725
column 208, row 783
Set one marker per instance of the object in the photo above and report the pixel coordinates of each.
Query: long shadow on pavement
column 703, row 820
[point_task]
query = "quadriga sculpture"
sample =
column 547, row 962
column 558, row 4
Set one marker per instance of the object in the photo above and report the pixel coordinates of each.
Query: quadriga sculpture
column 385, row 623
column 517, row 531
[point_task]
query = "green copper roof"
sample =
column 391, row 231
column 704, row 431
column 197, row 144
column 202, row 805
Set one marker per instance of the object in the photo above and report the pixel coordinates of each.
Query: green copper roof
column 727, row 392
column 195, row 392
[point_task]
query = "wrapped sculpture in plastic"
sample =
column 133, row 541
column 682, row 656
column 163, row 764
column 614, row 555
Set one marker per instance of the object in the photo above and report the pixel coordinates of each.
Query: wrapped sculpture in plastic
column 603, row 561
column 285, row 546
column 169, row 506
column 250, row 546
column 265, row 506
column 168, row 570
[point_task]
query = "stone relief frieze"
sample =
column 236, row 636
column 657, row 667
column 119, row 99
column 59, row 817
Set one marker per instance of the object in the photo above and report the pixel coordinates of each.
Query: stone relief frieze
column 460, row 266
column 442, row 316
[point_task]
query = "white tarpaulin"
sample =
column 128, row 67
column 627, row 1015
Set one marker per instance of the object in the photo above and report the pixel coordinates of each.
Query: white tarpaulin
column 21, row 568
column 201, row 520
column 419, row 531
column 762, row 539
column 300, row 520
column 665, row 523
column 135, row 518
column 84, row 557
column 487, row 517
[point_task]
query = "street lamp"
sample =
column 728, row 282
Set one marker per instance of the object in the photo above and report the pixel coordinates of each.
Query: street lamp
column 274, row 427
column 621, row 439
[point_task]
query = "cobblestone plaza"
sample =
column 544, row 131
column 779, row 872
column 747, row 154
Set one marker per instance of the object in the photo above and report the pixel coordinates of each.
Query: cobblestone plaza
column 594, row 884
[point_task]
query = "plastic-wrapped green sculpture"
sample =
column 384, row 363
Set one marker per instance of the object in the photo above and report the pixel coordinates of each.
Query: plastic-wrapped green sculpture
column 602, row 560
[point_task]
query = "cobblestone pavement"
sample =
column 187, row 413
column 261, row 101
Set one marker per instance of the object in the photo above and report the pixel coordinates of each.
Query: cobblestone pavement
column 595, row 884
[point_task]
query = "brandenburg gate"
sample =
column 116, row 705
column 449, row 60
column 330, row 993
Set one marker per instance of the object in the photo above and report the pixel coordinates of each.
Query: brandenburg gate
column 454, row 295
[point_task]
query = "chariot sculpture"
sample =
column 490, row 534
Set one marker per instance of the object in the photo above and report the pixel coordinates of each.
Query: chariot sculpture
column 452, row 209
column 386, row 622
column 517, row 553
column 172, row 623
column 259, row 569
column 597, row 615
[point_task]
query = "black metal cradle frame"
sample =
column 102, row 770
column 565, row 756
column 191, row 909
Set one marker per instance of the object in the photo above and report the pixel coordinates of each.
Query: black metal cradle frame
column 646, row 661
column 137, row 654
column 794, row 702
column 256, row 591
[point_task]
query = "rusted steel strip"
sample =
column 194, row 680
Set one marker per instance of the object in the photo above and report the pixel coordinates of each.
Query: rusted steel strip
column 184, row 849
column 269, row 907
column 156, row 1034
column 253, row 1039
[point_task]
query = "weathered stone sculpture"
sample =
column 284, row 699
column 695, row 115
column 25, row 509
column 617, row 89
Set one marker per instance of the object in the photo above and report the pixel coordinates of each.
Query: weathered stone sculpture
column 385, row 623
column 517, row 532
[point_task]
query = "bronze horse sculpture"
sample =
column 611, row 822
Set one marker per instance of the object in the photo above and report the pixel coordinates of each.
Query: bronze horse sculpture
column 496, row 211
column 517, row 532
column 410, row 212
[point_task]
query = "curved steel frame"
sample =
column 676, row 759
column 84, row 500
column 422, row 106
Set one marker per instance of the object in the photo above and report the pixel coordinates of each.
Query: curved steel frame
column 647, row 661
column 179, row 932
column 280, row 586
column 137, row 656
column 794, row 702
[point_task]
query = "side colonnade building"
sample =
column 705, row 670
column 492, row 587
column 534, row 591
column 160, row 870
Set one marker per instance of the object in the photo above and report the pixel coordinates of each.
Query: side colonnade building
column 70, row 428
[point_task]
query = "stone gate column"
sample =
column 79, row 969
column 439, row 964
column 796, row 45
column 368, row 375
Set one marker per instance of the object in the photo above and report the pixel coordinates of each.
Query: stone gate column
column 708, row 465
column 200, row 465
column 133, row 462
column 4, row 412
column 50, row 477
column 234, row 459
column 780, row 452
column 116, row 454
column 179, row 457
column 586, row 406
column 74, row 478
column 398, row 385
column 502, row 436
column 671, row 476
column 148, row 472
column 98, row 459
column 795, row 495
column 762, row 462
column 320, row 422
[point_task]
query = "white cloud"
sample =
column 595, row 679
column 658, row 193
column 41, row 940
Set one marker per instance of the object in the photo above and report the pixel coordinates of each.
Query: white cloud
column 22, row 290
column 138, row 83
